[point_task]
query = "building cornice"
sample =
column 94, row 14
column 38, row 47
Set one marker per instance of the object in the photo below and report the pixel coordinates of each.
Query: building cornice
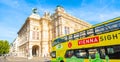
column 27, row 20
column 43, row 18
column 68, row 16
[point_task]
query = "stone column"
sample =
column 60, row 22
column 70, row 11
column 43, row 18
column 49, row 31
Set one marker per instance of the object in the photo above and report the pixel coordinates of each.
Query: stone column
column 30, row 52
column 39, row 51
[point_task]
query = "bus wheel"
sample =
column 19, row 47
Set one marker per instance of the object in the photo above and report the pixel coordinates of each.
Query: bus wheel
column 61, row 61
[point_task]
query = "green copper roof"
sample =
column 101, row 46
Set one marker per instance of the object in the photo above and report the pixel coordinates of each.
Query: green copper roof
column 59, row 6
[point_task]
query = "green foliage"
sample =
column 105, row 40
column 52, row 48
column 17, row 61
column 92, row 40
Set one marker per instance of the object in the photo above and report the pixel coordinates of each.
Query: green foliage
column 4, row 47
column 97, row 58
column 74, row 59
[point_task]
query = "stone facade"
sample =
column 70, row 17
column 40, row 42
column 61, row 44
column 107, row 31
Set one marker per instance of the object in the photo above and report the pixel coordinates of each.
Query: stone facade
column 14, row 49
column 37, row 32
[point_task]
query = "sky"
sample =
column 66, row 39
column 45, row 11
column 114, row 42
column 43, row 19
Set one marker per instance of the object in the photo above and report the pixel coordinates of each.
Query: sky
column 13, row 13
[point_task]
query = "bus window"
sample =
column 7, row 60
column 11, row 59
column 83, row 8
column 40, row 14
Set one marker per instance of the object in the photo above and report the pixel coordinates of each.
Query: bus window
column 90, row 32
column 69, row 54
column 110, row 50
column 99, row 29
column 82, row 34
column 102, row 53
column 113, row 25
column 70, row 37
column 114, row 52
column 64, row 38
column 92, row 53
column 107, row 28
column 55, row 42
column 59, row 40
column 76, row 35
column 118, row 24
column 80, row 53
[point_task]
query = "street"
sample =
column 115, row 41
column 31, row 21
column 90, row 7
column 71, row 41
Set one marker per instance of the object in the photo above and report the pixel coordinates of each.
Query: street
column 21, row 59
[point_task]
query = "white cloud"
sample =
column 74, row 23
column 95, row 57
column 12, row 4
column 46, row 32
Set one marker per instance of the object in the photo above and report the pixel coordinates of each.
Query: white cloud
column 108, row 16
column 94, row 15
column 11, row 3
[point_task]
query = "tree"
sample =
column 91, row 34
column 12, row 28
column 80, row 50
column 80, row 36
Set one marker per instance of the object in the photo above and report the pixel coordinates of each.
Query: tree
column 4, row 47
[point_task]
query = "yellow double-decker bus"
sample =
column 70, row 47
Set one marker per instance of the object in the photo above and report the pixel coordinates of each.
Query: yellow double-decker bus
column 100, row 43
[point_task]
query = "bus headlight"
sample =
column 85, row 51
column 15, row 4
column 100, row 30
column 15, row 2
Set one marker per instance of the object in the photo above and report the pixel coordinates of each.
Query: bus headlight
column 53, row 54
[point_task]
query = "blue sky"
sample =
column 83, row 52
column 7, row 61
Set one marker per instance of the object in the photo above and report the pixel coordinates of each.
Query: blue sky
column 13, row 13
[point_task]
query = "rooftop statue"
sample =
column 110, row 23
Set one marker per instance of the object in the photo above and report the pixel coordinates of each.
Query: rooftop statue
column 34, row 10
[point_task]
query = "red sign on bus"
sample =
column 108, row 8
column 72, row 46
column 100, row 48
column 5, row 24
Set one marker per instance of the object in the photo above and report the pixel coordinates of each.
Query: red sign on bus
column 69, row 44
column 88, row 41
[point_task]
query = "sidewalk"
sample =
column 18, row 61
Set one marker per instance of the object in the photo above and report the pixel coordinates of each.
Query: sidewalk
column 21, row 59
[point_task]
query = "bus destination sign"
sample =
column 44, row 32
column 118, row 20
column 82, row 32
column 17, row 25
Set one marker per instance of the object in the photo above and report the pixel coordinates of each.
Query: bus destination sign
column 88, row 40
